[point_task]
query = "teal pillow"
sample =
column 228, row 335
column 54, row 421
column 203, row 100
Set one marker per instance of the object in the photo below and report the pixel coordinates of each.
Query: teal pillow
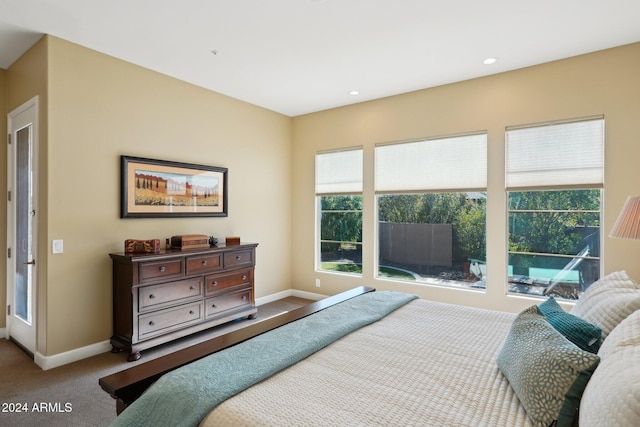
column 547, row 372
column 580, row 332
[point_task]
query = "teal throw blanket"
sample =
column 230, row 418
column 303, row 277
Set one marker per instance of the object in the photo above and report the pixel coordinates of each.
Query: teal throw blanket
column 185, row 396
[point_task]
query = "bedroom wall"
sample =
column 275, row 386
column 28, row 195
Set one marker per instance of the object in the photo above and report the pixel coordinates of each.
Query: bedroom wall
column 604, row 82
column 100, row 108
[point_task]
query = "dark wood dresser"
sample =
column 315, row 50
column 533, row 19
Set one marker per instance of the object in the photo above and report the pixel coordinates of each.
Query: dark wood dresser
column 161, row 297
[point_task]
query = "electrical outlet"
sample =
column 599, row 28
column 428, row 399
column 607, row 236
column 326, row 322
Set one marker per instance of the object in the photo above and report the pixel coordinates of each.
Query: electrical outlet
column 317, row 283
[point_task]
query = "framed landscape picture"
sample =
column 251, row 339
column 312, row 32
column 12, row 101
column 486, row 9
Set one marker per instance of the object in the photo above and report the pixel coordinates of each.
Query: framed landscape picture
column 160, row 189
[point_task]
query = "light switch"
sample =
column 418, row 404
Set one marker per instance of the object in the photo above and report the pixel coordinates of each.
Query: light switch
column 57, row 246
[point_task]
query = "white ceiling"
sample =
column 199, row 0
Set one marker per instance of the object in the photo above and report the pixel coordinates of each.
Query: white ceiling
column 301, row 56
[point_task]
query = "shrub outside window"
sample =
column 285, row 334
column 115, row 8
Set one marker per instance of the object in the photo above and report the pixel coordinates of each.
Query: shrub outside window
column 341, row 234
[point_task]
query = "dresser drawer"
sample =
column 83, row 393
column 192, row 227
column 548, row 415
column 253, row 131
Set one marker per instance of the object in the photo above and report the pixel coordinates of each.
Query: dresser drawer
column 219, row 304
column 154, row 296
column 216, row 282
column 238, row 258
column 160, row 269
column 167, row 320
column 204, row 263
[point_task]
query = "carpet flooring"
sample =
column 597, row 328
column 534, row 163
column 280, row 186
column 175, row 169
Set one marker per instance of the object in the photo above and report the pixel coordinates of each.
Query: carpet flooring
column 69, row 395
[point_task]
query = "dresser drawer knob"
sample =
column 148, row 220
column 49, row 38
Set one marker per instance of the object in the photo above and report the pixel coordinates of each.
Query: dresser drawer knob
column 238, row 258
column 213, row 306
column 204, row 262
column 244, row 297
column 162, row 269
column 191, row 288
column 190, row 311
column 244, row 277
column 151, row 296
column 215, row 283
column 151, row 323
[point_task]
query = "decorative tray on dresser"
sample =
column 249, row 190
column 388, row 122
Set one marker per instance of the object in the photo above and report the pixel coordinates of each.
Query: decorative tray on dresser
column 159, row 297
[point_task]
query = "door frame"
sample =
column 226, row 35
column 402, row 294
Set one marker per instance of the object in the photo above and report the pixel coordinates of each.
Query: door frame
column 32, row 345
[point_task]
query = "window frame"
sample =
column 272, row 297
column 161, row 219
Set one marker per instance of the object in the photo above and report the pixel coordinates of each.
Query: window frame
column 350, row 184
column 480, row 185
column 591, row 177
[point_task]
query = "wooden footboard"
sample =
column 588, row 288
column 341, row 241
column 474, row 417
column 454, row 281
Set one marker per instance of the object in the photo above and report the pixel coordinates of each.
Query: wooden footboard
column 127, row 385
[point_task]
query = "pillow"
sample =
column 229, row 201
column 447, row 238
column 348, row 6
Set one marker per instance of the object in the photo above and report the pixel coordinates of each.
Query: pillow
column 580, row 332
column 547, row 372
column 608, row 301
column 626, row 334
column 612, row 397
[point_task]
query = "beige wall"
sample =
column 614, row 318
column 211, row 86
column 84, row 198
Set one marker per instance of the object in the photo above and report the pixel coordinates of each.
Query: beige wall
column 100, row 108
column 600, row 83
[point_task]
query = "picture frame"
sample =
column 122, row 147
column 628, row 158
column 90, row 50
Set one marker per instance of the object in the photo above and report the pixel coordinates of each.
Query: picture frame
column 153, row 188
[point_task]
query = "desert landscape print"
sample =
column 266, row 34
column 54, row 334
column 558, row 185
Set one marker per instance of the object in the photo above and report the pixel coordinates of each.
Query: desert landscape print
column 173, row 189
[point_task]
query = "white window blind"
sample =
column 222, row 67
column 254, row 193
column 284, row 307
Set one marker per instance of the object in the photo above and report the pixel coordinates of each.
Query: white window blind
column 564, row 154
column 454, row 163
column 339, row 172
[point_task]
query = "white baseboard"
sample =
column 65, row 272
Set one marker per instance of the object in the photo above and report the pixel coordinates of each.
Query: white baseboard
column 50, row 362
column 289, row 293
column 3, row 333
column 273, row 297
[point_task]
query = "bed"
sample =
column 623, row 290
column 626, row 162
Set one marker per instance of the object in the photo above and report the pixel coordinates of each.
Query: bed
column 405, row 361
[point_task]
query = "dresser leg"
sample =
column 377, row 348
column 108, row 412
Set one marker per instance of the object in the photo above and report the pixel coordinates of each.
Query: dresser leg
column 252, row 316
column 115, row 349
column 134, row 356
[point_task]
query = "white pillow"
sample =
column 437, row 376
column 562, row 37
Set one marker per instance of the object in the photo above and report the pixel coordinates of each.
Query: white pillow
column 608, row 301
column 612, row 396
column 626, row 334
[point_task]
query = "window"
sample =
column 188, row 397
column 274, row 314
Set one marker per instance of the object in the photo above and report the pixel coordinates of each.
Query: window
column 339, row 205
column 554, row 191
column 431, row 210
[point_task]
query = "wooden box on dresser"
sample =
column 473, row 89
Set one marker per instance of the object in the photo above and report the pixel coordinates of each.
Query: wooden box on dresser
column 161, row 297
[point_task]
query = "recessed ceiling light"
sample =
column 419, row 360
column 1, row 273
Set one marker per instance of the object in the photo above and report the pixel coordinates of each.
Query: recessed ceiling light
column 214, row 51
column 354, row 93
column 489, row 61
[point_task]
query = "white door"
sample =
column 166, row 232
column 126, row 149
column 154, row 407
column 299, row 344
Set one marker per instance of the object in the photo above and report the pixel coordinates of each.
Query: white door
column 21, row 225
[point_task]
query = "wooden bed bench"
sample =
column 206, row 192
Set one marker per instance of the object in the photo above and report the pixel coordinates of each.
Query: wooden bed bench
column 127, row 385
